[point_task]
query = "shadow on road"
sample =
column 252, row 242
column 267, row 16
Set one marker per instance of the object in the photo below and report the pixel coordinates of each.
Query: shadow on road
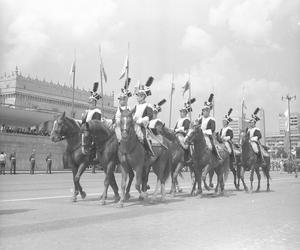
column 14, row 211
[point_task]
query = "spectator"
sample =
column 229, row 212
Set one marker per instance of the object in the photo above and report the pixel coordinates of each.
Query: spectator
column 13, row 161
column 49, row 163
column 32, row 161
column 281, row 166
column 2, row 162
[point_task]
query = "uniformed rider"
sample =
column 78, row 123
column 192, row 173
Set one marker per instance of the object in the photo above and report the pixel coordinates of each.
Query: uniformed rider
column 143, row 114
column 93, row 113
column 226, row 134
column 208, row 125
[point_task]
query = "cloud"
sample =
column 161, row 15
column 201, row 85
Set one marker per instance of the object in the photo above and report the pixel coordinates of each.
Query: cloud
column 196, row 38
column 250, row 20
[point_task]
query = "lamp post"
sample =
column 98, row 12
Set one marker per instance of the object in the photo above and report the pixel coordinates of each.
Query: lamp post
column 289, row 98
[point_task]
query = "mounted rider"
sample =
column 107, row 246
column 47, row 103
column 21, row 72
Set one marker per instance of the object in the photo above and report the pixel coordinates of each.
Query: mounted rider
column 143, row 113
column 226, row 134
column 156, row 110
column 254, row 134
column 208, row 125
column 123, row 105
column 93, row 113
column 182, row 126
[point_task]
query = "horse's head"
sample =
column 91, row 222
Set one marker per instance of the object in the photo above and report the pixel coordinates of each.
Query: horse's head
column 194, row 134
column 159, row 125
column 126, row 124
column 62, row 128
column 244, row 137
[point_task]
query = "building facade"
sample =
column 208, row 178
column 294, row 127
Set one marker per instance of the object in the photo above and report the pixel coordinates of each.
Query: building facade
column 20, row 92
column 294, row 123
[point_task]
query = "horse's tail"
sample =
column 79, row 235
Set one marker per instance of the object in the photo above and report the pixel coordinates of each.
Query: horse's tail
column 266, row 168
column 226, row 166
column 168, row 168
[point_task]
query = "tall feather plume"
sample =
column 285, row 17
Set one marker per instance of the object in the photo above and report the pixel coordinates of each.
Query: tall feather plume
column 95, row 86
column 211, row 97
column 127, row 82
column 229, row 112
column 163, row 101
column 149, row 81
column 191, row 101
column 256, row 111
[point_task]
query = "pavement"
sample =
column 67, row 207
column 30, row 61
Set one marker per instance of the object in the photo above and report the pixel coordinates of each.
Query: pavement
column 36, row 212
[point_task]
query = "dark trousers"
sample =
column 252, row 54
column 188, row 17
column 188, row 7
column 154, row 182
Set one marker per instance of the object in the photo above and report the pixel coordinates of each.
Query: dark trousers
column 13, row 167
column 2, row 167
column 49, row 166
column 32, row 166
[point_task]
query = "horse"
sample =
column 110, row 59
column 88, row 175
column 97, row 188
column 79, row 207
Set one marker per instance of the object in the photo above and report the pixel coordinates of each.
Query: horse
column 250, row 160
column 205, row 160
column 65, row 128
column 178, row 161
column 107, row 153
column 132, row 155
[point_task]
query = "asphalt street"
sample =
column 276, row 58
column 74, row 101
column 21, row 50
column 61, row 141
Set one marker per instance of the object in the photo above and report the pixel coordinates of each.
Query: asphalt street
column 36, row 212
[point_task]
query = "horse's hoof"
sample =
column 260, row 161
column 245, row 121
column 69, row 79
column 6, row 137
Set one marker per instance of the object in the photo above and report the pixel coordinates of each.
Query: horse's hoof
column 127, row 196
column 211, row 185
column 117, row 198
column 141, row 198
column 120, row 205
column 102, row 202
column 148, row 187
column 83, row 195
column 74, row 199
column 268, row 189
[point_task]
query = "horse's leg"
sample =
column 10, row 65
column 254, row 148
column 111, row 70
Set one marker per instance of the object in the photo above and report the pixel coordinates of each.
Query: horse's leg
column 80, row 171
column 258, row 178
column 109, row 176
column 113, row 183
column 251, row 177
column 131, row 176
column 163, row 191
column 234, row 172
column 204, row 173
column 157, row 187
column 238, row 175
column 76, row 192
column 174, row 178
column 218, row 173
column 243, row 178
column 124, row 171
column 139, row 179
column 211, row 175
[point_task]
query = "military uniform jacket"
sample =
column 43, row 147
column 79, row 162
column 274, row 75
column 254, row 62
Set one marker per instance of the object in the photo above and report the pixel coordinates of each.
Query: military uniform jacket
column 92, row 114
column 182, row 125
column 254, row 134
column 208, row 125
column 32, row 157
column 153, row 122
column 48, row 158
column 226, row 133
column 143, row 113
column 12, row 157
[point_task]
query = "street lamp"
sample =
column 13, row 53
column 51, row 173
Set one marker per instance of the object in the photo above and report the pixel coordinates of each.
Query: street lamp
column 289, row 98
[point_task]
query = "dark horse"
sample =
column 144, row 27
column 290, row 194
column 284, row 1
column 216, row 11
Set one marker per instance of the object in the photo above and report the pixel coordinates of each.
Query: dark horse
column 177, row 153
column 107, row 153
column 65, row 128
column 205, row 160
column 250, row 160
column 132, row 155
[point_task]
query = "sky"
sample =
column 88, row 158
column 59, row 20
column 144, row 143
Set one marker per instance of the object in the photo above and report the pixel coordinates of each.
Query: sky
column 233, row 48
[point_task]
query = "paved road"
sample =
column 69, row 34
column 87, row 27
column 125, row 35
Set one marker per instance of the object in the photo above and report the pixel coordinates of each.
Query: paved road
column 36, row 213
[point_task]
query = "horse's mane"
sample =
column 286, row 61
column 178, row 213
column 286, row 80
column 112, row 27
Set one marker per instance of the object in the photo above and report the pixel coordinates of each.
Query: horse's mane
column 97, row 127
column 169, row 134
column 73, row 122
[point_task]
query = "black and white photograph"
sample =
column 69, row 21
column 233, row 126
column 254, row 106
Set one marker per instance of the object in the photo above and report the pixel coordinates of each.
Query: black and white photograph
column 147, row 124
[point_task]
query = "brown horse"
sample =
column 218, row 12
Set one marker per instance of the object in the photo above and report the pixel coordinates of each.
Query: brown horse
column 205, row 160
column 132, row 155
column 65, row 128
column 250, row 160
column 178, row 161
column 107, row 153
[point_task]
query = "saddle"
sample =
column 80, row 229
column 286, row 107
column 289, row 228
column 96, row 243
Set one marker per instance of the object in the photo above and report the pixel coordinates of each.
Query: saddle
column 156, row 140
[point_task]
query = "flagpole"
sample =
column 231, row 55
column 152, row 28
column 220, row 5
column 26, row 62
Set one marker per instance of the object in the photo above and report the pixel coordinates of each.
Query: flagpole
column 101, row 80
column 73, row 87
column 171, row 100
column 127, row 71
column 190, row 93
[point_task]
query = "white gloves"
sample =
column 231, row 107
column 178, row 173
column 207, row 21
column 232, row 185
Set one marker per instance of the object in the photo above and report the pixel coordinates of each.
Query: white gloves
column 207, row 132
column 254, row 138
column 144, row 120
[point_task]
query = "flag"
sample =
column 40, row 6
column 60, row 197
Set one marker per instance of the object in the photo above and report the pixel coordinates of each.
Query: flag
column 103, row 71
column 73, row 68
column 286, row 142
column 244, row 104
column 172, row 88
column 186, row 87
column 125, row 68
